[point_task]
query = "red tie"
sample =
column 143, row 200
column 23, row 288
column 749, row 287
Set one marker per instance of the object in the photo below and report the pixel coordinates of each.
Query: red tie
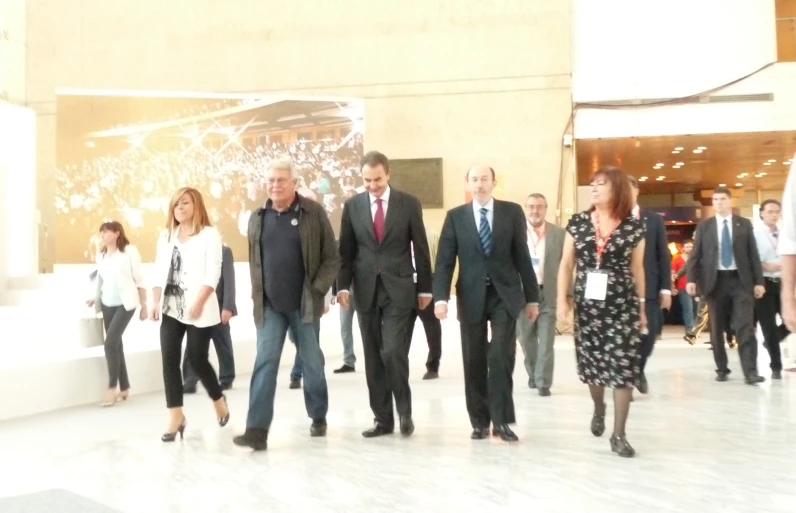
column 378, row 221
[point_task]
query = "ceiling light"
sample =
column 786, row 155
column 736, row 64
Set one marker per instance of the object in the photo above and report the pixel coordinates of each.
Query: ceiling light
column 722, row 185
column 659, row 164
column 676, row 151
column 642, row 179
column 660, row 178
column 773, row 160
column 701, row 148
column 760, row 174
column 766, row 163
column 679, row 164
column 739, row 185
column 697, row 150
column 679, row 148
column 743, row 175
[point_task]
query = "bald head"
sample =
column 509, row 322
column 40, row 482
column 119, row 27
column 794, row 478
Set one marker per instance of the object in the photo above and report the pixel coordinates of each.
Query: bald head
column 480, row 182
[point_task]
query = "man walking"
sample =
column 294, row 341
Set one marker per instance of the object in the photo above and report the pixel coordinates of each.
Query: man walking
column 379, row 227
column 431, row 325
column 546, row 245
column 496, row 285
column 293, row 261
column 725, row 267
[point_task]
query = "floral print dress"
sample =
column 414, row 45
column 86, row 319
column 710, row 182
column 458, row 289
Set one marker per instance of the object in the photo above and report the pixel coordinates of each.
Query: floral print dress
column 607, row 336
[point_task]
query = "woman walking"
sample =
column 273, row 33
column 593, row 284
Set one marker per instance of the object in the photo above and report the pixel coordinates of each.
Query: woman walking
column 187, row 269
column 607, row 243
column 120, row 290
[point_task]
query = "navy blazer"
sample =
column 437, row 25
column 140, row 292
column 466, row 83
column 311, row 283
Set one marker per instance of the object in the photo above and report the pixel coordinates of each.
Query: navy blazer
column 657, row 257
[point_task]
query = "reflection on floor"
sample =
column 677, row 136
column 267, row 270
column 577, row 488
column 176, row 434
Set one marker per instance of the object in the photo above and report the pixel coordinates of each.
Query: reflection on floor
column 702, row 446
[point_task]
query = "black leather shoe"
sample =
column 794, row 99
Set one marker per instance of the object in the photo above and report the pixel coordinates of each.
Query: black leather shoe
column 295, row 384
column 225, row 386
column 642, row 385
column 754, row 380
column 377, row 430
column 345, row 369
column 776, row 374
column 544, row 392
column 318, row 428
column 480, row 434
column 531, row 385
column 189, row 389
column 622, row 447
column 431, row 375
column 598, row 422
column 721, row 377
column 505, row 433
column 407, row 426
column 256, row 439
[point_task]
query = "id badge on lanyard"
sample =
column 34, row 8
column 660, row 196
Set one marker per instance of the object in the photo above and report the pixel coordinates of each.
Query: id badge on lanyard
column 597, row 279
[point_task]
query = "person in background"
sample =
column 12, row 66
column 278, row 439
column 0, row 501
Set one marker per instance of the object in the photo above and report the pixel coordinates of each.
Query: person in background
column 687, row 303
column 768, row 306
column 221, row 335
column 186, row 271
column 787, row 250
column 431, row 325
column 545, row 244
column 119, row 291
column 657, row 272
column 346, row 330
column 607, row 245
column 725, row 268
column 298, row 369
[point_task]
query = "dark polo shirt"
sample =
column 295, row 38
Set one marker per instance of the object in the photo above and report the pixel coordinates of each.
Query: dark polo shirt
column 283, row 265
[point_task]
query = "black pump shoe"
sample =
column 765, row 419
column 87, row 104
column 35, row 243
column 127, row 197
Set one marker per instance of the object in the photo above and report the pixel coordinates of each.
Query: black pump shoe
column 170, row 437
column 598, row 423
column 622, row 447
column 222, row 421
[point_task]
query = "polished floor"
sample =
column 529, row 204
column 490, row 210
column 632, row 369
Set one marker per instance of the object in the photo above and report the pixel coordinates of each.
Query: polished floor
column 702, row 447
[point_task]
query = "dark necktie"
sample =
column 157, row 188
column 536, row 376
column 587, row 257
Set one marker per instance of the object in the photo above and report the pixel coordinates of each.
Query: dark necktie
column 378, row 221
column 726, row 246
column 485, row 233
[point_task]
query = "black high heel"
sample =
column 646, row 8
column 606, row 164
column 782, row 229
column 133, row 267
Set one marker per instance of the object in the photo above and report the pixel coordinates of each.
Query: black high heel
column 225, row 419
column 598, row 422
column 622, row 447
column 170, row 437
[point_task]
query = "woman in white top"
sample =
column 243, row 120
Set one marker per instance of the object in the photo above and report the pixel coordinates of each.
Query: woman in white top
column 120, row 290
column 187, row 269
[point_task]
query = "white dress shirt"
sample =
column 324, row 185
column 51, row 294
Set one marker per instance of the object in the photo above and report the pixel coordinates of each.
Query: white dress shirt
column 720, row 229
column 490, row 209
column 767, row 247
column 536, row 247
column 385, row 201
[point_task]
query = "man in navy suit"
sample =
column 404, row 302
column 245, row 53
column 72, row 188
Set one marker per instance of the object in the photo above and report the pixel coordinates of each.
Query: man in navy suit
column 221, row 336
column 658, row 273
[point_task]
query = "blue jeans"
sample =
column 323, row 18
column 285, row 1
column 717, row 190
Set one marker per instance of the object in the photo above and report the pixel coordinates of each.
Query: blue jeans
column 270, row 341
column 687, row 307
column 347, row 334
column 298, row 368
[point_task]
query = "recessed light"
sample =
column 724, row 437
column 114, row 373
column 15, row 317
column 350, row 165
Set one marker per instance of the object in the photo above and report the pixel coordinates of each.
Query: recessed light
column 660, row 178
column 679, row 164
column 660, row 164
column 722, row 185
column 766, row 163
column 676, row 151
column 739, row 185
column 701, row 148
column 679, row 148
column 743, row 175
column 697, row 150
column 642, row 179
column 761, row 174
column 773, row 160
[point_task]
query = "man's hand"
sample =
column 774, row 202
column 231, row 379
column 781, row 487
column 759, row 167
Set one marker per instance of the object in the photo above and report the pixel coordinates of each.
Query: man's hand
column 665, row 301
column 334, row 299
column 441, row 311
column 226, row 315
column 691, row 289
column 532, row 312
column 342, row 298
column 423, row 302
column 760, row 291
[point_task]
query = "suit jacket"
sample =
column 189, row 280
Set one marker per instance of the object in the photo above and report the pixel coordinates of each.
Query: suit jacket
column 703, row 265
column 127, row 267
column 508, row 266
column 553, row 254
column 225, row 291
column 364, row 259
column 657, row 257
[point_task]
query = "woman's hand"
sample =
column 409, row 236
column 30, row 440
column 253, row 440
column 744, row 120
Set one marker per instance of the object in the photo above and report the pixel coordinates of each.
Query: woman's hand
column 195, row 311
column 563, row 310
column 154, row 314
column 643, row 323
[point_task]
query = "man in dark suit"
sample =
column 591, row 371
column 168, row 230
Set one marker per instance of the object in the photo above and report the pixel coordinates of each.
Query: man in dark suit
column 221, row 336
column 496, row 285
column 658, row 274
column 379, row 227
column 725, row 267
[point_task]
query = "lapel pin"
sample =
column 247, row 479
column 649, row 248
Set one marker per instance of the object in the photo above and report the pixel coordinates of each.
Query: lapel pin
column 294, row 222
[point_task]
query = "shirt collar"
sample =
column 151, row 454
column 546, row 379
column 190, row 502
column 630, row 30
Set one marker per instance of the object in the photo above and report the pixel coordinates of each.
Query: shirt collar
column 490, row 206
column 385, row 198
column 636, row 212
column 721, row 218
column 294, row 205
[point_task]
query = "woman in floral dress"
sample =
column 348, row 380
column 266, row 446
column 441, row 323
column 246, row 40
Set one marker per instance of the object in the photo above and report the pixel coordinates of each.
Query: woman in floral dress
column 607, row 244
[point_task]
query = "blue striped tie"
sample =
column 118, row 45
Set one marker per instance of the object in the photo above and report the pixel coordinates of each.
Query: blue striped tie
column 485, row 233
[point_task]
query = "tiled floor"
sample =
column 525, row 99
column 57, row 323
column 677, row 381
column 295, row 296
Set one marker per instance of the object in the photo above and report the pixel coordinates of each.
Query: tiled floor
column 702, row 447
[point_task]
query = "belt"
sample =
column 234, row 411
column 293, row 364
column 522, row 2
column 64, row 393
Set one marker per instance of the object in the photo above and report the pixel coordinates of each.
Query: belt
column 773, row 280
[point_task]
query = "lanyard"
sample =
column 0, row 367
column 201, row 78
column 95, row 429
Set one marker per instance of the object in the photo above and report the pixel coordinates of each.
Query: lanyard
column 530, row 237
column 599, row 241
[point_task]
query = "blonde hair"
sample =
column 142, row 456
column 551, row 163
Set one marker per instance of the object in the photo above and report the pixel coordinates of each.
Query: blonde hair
column 200, row 217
